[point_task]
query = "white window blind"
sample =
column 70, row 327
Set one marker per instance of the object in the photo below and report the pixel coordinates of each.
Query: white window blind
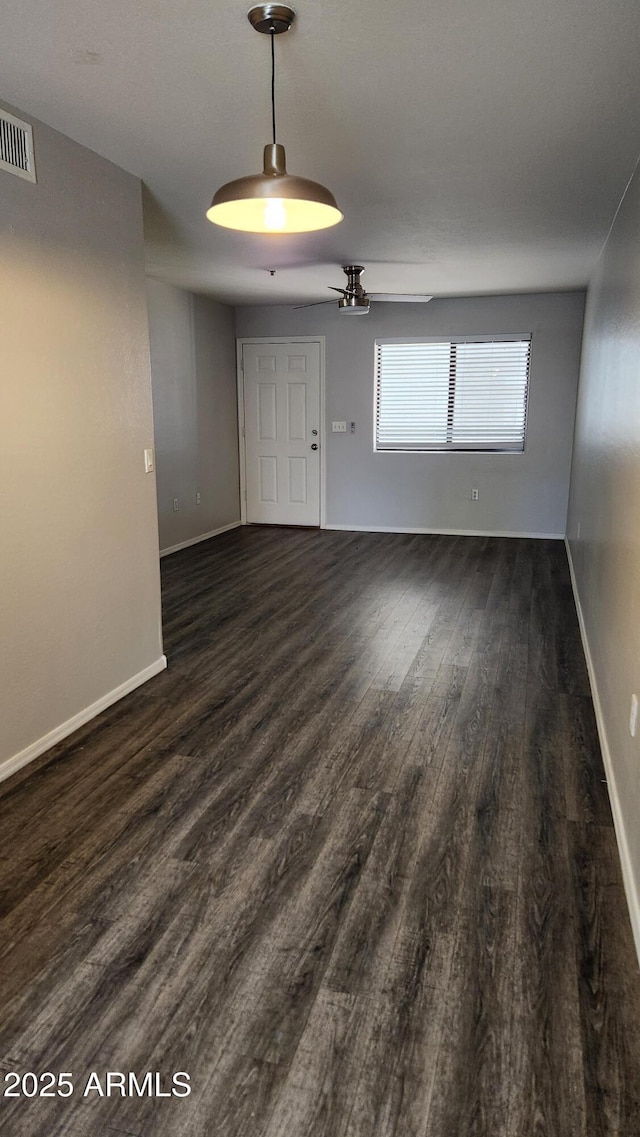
column 452, row 395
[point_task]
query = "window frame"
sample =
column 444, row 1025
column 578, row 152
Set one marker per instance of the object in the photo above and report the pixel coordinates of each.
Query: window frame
column 451, row 447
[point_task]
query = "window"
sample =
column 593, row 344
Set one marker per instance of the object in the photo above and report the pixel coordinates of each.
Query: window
column 458, row 394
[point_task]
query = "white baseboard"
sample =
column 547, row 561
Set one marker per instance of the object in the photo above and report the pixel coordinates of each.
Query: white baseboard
column 443, row 532
column 630, row 883
column 197, row 540
column 12, row 765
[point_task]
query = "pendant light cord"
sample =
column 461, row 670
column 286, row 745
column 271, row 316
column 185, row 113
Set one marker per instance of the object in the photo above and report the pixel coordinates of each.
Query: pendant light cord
column 273, row 86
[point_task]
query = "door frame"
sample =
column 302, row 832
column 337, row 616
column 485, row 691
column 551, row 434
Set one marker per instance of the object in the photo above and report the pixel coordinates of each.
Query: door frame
column 242, row 449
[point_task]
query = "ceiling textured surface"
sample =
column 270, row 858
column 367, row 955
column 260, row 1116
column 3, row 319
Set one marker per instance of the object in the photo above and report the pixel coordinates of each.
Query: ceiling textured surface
column 473, row 148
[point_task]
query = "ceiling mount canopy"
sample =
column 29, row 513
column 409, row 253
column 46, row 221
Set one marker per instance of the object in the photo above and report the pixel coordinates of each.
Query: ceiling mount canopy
column 273, row 201
column 272, row 19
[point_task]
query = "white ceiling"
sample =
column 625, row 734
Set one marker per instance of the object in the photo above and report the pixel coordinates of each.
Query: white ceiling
column 473, row 146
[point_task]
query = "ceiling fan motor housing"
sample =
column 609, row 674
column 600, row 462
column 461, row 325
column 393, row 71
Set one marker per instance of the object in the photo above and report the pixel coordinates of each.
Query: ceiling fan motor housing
column 357, row 305
column 355, row 299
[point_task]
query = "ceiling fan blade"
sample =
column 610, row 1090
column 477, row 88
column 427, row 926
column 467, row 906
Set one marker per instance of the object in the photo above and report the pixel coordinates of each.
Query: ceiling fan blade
column 344, row 291
column 399, row 297
column 314, row 304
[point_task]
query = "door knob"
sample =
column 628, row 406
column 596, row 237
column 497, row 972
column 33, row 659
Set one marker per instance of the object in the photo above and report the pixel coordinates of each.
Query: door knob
column 314, row 445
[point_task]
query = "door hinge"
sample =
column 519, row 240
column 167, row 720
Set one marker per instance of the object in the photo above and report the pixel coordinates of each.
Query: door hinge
column 241, row 363
column 245, row 495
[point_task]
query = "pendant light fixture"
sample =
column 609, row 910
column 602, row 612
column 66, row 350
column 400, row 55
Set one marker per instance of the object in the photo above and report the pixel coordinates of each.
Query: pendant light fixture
column 273, row 201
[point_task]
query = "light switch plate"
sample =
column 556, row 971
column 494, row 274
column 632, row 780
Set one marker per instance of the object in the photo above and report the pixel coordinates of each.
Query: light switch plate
column 339, row 427
column 148, row 461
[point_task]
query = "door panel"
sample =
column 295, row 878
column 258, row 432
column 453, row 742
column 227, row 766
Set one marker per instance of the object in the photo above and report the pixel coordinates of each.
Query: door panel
column 268, row 479
column 281, row 409
column 298, row 481
column 297, row 412
column 266, row 411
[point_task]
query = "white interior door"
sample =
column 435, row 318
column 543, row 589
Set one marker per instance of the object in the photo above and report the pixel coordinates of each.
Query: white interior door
column 281, row 383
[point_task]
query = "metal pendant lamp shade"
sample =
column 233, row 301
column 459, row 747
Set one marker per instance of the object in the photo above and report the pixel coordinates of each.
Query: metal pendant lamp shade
column 273, row 201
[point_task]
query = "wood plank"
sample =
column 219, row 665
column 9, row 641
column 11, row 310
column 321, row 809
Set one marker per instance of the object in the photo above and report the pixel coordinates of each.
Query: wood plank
column 471, row 1086
column 609, row 1003
column 547, row 1070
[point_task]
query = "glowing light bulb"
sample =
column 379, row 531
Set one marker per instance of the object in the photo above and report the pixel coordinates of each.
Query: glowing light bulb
column 275, row 215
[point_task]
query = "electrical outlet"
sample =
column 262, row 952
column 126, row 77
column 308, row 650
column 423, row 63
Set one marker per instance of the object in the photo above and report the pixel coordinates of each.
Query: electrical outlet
column 339, row 427
column 175, row 505
column 474, row 495
column 633, row 716
column 198, row 498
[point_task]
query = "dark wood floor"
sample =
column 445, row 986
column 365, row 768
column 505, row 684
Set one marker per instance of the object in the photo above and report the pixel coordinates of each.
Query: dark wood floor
column 349, row 863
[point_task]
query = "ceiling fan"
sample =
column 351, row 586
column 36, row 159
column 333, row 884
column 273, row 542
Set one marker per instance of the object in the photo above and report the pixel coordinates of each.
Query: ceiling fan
column 354, row 299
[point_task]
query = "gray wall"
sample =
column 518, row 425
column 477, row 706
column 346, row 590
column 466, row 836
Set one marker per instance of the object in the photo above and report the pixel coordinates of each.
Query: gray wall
column 521, row 493
column 605, row 503
column 79, row 579
column 193, row 365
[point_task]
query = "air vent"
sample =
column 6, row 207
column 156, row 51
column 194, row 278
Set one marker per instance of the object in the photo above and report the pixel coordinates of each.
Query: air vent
column 16, row 147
